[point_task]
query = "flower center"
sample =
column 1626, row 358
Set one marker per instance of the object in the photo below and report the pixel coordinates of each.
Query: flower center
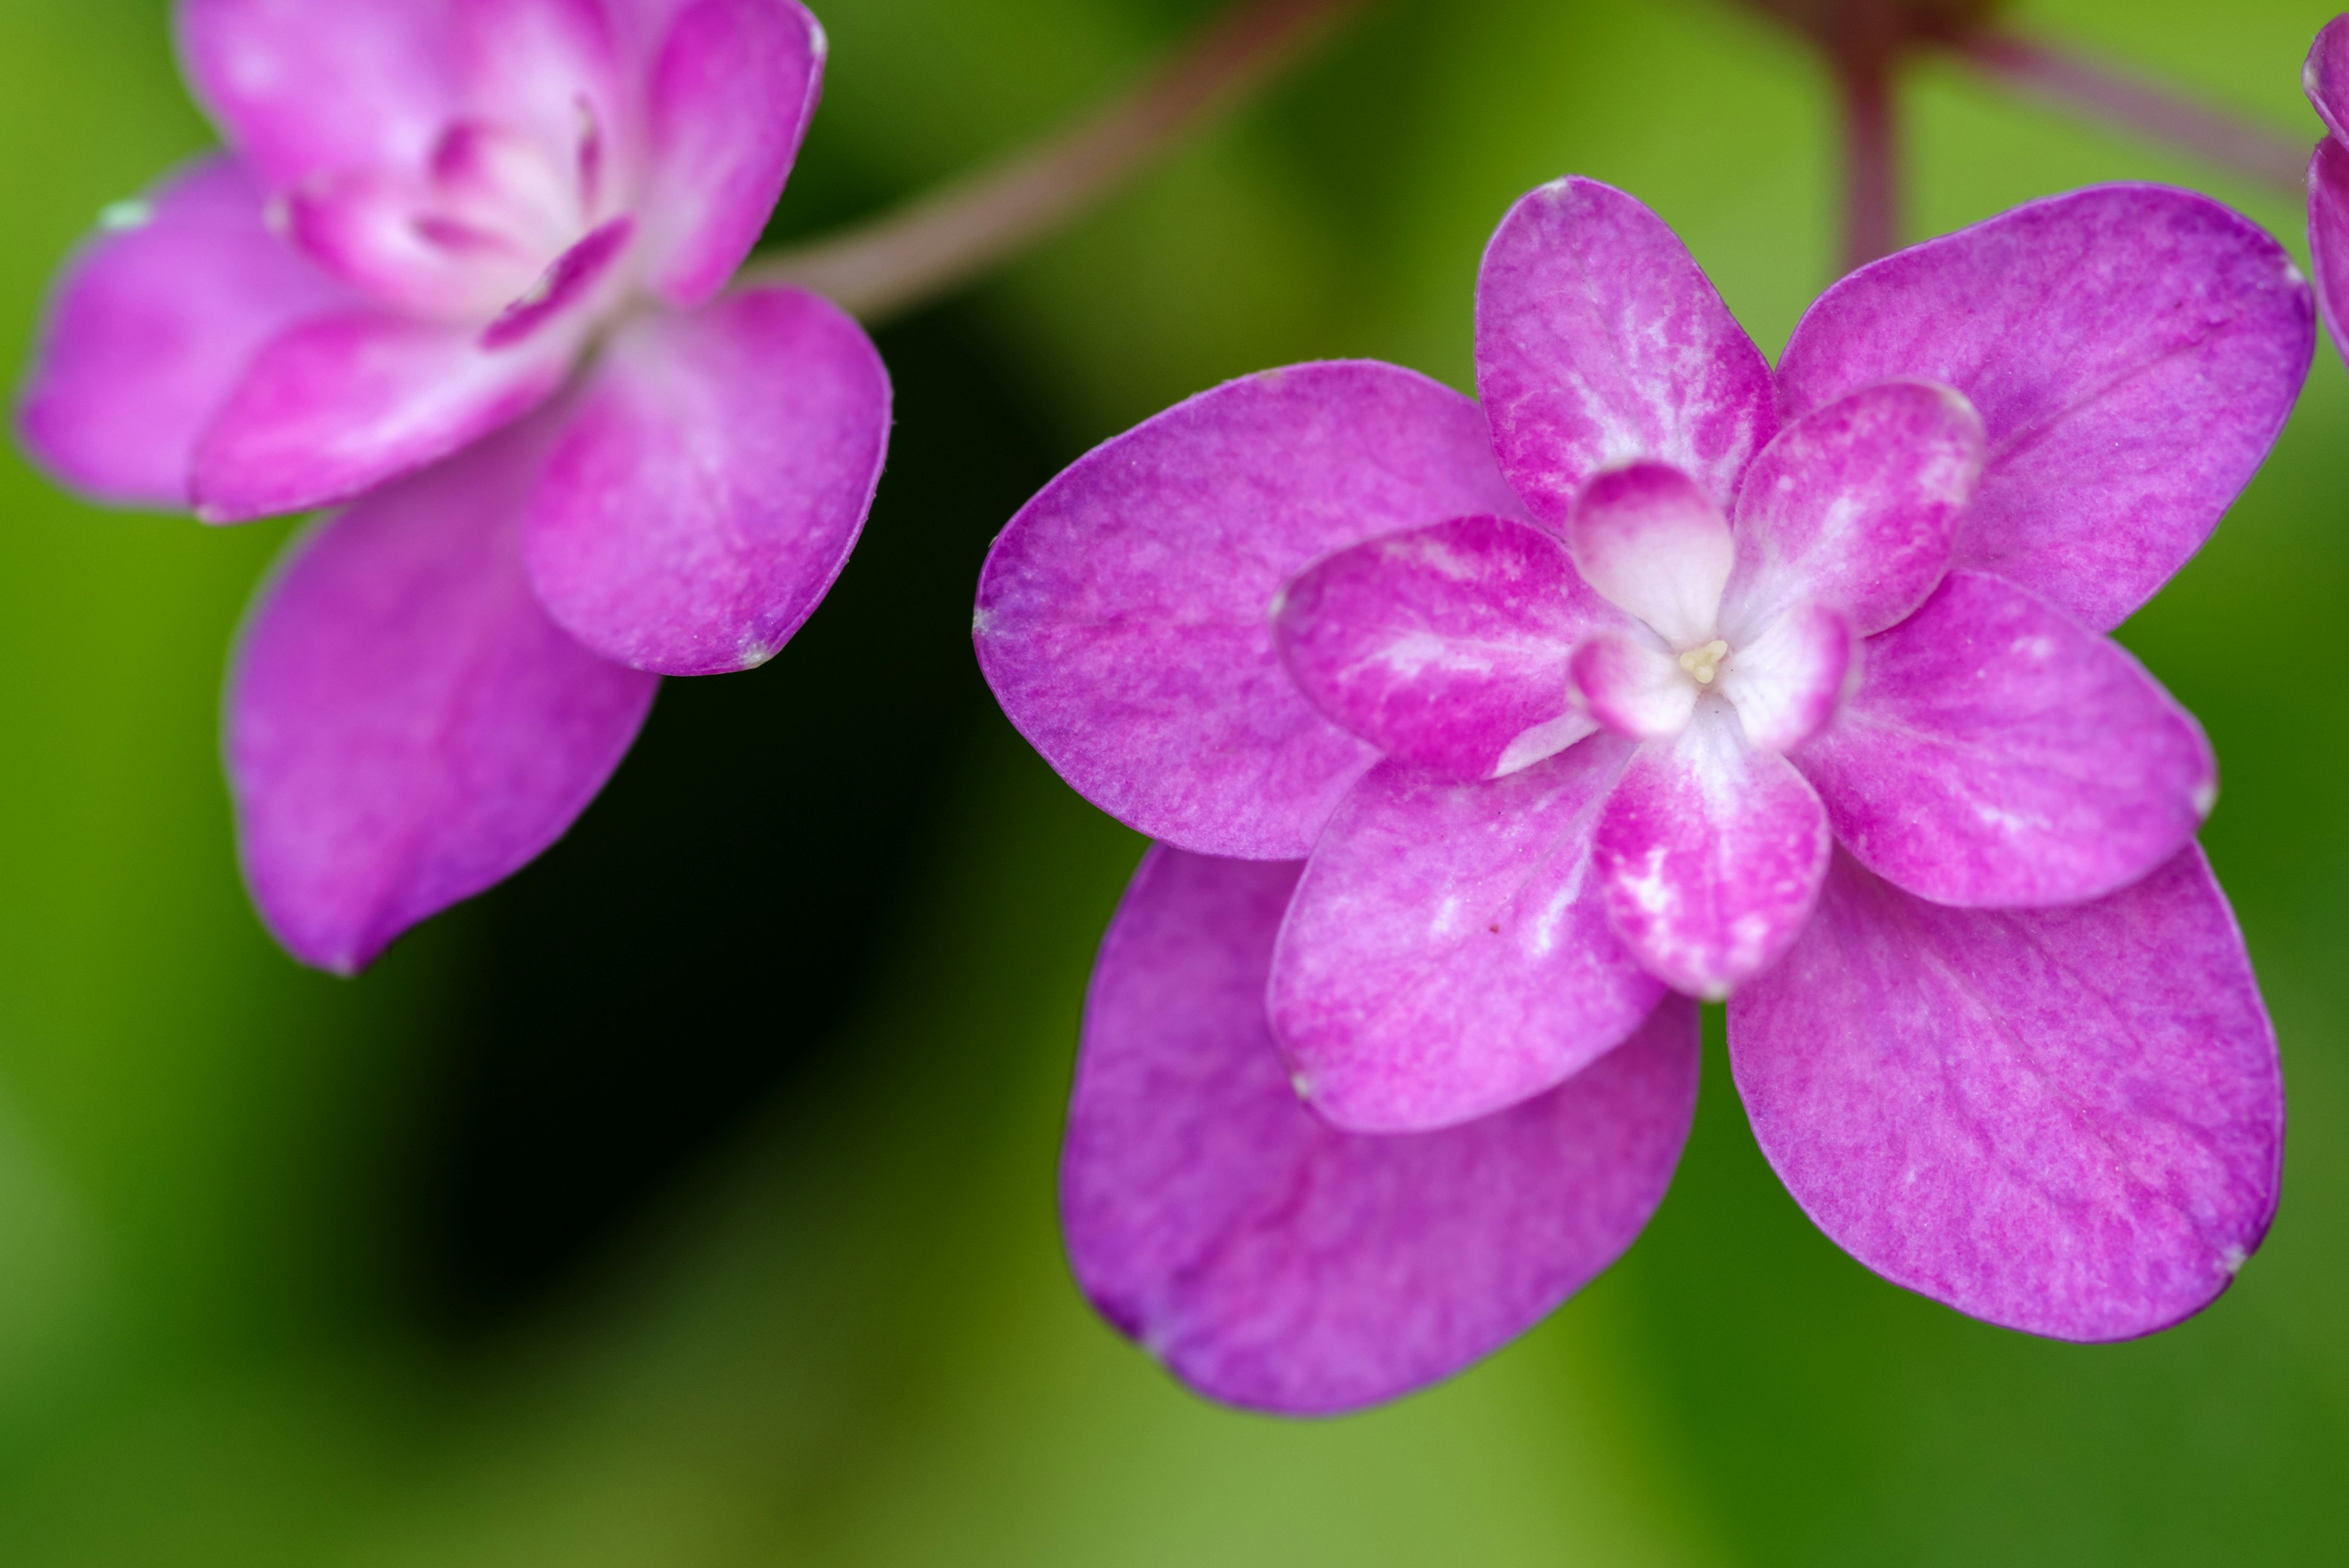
column 1703, row 663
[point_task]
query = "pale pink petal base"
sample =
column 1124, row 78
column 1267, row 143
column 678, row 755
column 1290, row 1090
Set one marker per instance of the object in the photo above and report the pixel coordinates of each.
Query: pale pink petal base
column 711, row 479
column 2065, row 1121
column 1655, row 544
column 405, row 727
column 1447, row 954
column 1124, row 616
column 1273, row 1262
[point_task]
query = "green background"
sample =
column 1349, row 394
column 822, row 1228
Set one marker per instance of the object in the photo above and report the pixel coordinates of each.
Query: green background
column 294, row 1271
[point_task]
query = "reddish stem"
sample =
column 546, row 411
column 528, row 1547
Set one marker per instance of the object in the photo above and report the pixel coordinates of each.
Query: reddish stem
column 2102, row 93
column 939, row 241
column 1871, row 214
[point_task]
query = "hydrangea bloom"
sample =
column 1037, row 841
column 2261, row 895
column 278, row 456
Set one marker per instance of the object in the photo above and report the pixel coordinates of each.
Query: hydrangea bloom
column 1661, row 675
column 463, row 260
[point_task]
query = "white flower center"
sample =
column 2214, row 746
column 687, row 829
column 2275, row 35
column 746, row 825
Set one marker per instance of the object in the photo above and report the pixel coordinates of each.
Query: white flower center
column 1702, row 663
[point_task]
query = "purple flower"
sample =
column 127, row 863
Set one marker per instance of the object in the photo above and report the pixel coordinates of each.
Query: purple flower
column 462, row 261
column 1660, row 672
column 2325, row 79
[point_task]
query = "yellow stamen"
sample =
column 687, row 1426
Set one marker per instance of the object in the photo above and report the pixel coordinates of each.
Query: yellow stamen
column 1703, row 662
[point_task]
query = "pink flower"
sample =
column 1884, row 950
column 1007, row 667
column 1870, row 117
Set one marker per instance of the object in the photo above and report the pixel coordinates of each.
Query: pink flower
column 1658, row 673
column 462, row 261
column 2325, row 79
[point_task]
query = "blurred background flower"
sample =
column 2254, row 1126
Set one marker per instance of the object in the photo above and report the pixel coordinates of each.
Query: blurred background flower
column 688, row 1199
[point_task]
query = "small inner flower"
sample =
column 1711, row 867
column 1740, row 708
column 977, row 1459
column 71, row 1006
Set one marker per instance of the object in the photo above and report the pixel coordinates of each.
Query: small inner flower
column 1703, row 663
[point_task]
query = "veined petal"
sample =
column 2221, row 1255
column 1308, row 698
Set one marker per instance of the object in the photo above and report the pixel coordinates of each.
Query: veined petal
column 152, row 328
column 1273, row 1262
column 343, row 403
column 714, row 475
column 1786, row 683
column 2132, row 350
column 1997, row 753
column 1446, row 646
column 1630, row 684
column 1447, row 954
column 732, row 93
column 1652, row 543
column 2328, row 235
column 1599, row 342
column 2065, row 1121
column 405, row 727
column 1123, row 616
column 1710, row 854
column 2325, row 76
column 1855, row 505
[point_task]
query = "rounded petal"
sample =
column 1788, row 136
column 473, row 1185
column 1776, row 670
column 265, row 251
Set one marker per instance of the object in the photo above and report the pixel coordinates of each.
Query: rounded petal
column 2328, row 235
column 405, row 727
column 1273, row 1262
column 1123, row 616
column 1630, row 684
column 1600, row 342
column 305, row 89
column 2132, row 350
column 2065, row 1121
column 732, row 93
column 1996, row 753
column 152, row 326
column 1654, row 544
column 338, row 405
column 1447, row 954
column 2325, row 74
column 1787, row 682
column 712, row 477
column 1709, row 852
column 1446, row 646
column 1855, row 507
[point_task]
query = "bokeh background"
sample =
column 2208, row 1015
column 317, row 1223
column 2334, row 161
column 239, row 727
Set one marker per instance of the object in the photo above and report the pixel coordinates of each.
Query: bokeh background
column 688, row 1200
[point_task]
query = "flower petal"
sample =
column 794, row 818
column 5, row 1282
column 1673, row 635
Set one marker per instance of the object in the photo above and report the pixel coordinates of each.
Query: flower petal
column 2328, row 235
column 1446, row 646
column 1629, row 683
column 306, row 89
column 732, row 93
column 1785, row 684
column 2325, row 74
column 1273, row 1262
column 1447, row 954
column 1652, row 543
column 2132, row 350
column 341, row 404
column 1996, row 753
column 303, row 88
column 1599, row 342
column 2065, row 1121
column 1854, row 506
column 1123, row 617
column 712, row 480
column 1710, row 854
column 152, row 326
column 406, row 726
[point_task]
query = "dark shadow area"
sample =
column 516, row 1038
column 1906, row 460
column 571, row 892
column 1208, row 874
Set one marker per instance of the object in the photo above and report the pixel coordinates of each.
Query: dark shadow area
column 708, row 921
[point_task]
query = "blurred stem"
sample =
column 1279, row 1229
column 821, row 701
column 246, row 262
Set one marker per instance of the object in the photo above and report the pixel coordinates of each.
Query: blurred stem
column 1871, row 213
column 939, row 241
column 2100, row 92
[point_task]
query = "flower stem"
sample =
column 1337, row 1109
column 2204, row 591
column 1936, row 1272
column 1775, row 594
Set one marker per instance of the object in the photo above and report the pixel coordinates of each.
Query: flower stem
column 941, row 240
column 2103, row 93
column 1871, row 213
